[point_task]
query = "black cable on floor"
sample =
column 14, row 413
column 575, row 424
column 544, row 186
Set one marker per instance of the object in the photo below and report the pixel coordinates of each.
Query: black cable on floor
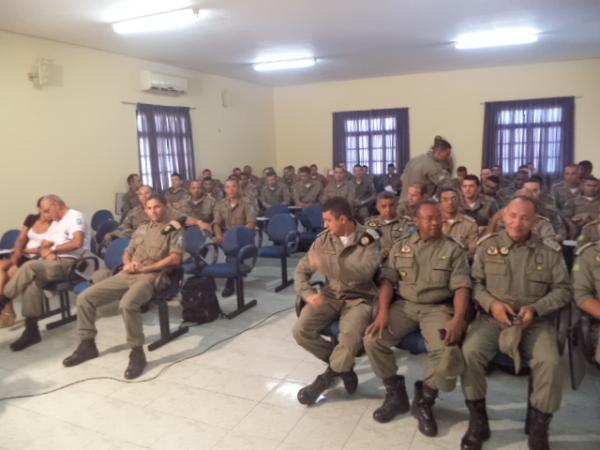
column 154, row 377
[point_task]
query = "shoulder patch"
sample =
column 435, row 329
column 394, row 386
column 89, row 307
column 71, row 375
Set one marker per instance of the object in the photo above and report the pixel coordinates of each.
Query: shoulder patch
column 580, row 250
column 485, row 237
column 552, row 244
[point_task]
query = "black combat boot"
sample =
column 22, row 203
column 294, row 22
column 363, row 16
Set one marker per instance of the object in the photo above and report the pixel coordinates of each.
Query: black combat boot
column 538, row 430
column 308, row 395
column 137, row 362
column 30, row 336
column 479, row 427
column 86, row 350
column 350, row 381
column 229, row 288
column 422, row 408
column 395, row 401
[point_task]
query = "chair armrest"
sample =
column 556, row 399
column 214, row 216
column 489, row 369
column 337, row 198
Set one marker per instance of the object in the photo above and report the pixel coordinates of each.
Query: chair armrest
column 291, row 241
column 247, row 251
column 200, row 257
column 81, row 266
column 563, row 325
column 168, row 283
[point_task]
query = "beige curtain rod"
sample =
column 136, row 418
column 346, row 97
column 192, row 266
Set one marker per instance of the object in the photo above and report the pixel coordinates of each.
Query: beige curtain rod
column 133, row 103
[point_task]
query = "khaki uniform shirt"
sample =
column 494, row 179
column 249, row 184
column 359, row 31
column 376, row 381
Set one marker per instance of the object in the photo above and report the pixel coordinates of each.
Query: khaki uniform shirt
column 586, row 273
column 425, row 169
column 393, row 181
column 542, row 228
column 202, row 209
column 137, row 217
column 240, row 215
column 583, row 205
column 589, row 233
column 176, row 198
column 463, row 229
column 364, row 193
column 484, row 209
column 348, row 270
column 148, row 245
column 530, row 273
column 278, row 195
column 427, row 272
column 505, row 195
column 130, row 201
column 345, row 190
column 406, row 210
column 562, row 194
column 391, row 232
column 308, row 193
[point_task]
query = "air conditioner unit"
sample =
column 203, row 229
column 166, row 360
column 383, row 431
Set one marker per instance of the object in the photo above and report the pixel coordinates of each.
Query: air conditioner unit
column 158, row 82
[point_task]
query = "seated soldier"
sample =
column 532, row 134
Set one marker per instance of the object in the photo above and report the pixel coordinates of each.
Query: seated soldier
column 586, row 287
column 519, row 283
column 585, row 207
column 289, row 176
column 497, row 173
column 431, row 276
column 415, row 194
column 66, row 240
column 212, row 188
column 339, row 187
column 390, row 181
column 306, row 190
column 390, row 226
column 248, row 171
column 507, row 193
column 490, row 187
column 130, row 199
column 566, row 189
column 461, row 173
column 315, row 175
column 176, row 195
column 348, row 255
column 199, row 206
column 475, row 204
column 364, row 193
column 134, row 218
column 274, row 192
column 456, row 225
column 232, row 211
column 153, row 248
column 546, row 208
column 248, row 190
column 484, row 174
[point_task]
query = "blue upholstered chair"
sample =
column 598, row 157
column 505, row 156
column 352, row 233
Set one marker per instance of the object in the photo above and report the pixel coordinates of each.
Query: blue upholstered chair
column 283, row 232
column 194, row 239
column 108, row 226
column 311, row 218
column 8, row 241
column 99, row 217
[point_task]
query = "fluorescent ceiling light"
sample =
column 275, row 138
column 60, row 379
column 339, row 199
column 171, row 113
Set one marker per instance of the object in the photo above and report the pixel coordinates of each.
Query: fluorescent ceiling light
column 285, row 64
column 160, row 22
column 496, row 38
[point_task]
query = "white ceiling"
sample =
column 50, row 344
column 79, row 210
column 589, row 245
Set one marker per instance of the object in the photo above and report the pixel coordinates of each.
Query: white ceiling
column 351, row 38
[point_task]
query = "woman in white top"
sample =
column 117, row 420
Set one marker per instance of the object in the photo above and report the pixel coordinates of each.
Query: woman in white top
column 27, row 246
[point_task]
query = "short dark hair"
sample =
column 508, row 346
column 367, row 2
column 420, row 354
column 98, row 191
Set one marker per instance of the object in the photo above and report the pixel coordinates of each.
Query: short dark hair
column 207, row 178
column 175, row 174
column 130, row 177
column 385, row 195
column 161, row 198
column 570, row 165
column 461, row 169
column 270, row 173
column 425, row 203
column 525, row 199
column 421, row 186
column 358, row 165
column 338, row 206
column 439, row 143
column 535, row 179
column 391, row 165
column 523, row 171
column 471, row 177
column 447, row 189
column 304, row 169
column 493, row 179
column 314, row 165
column 587, row 164
column 233, row 178
column 496, row 165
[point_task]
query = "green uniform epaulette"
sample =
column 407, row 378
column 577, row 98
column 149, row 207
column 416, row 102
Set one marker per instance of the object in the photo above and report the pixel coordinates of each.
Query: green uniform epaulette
column 580, row 250
column 543, row 217
column 485, row 237
column 552, row 244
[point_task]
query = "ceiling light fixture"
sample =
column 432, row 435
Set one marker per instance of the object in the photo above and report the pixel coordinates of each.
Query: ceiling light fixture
column 160, row 22
column 496, row 38
column 285, row 64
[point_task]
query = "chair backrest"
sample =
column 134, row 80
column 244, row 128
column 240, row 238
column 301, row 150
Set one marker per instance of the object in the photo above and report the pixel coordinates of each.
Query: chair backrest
column 105, row 228
column 193, row 239
column 235, row 238
column 114, row 253
column 276, row 209
column 101, row 216
column 279, row 226
column 312, row 217
column 9, row 239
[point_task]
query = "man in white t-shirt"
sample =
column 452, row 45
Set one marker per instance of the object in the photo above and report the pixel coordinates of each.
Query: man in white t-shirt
column 67, row 239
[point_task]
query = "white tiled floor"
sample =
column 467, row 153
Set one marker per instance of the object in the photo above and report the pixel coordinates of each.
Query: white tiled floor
column 241, row 393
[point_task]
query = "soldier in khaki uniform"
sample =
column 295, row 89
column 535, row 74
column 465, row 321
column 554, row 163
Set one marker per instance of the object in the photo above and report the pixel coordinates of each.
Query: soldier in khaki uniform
column 431, row 276
column 212, row 188
column 133, row 219
column 306, row 191
column 248, row 190
column 456, row 225
column 430, row 169
column 391, row 227
column 130, row 199
column 416, row 194
column 519, row 283
column 230, row 212
column 475, row 204
column 589, row 233
column 566, row 189
column 151, row 250
column 199, row 205
column 586, row 287
column 339, row 187
column 364, row 193
column 506, row 194
column 585, row 207
column 273, row 192
column 176, row 195
column 347, row 254
column 545, row 206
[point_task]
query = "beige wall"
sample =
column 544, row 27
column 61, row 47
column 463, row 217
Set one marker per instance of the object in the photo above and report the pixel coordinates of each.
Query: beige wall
column 79, row 141
column 446, row 103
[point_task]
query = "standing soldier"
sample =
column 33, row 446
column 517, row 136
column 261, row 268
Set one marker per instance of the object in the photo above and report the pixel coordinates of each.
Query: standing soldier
column 431, row 276
column 519, row 283
column 430, row 169
column 153, row 248
column 348, row 255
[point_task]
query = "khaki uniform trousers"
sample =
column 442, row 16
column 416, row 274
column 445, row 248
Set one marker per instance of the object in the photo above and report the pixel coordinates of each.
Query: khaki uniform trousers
column 538, row 347
column 354, row 317
column 404, row 318
column 132, row 291
column 28, row 283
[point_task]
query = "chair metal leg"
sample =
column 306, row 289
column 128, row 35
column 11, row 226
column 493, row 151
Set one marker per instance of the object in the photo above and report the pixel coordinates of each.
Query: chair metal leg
column 166, row 335
column 241, row 305
column 284, row 276
column 528, row 414
column 64, row 310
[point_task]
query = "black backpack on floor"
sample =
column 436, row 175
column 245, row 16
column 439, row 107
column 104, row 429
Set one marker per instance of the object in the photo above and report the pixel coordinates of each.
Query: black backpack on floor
column 199, row 300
